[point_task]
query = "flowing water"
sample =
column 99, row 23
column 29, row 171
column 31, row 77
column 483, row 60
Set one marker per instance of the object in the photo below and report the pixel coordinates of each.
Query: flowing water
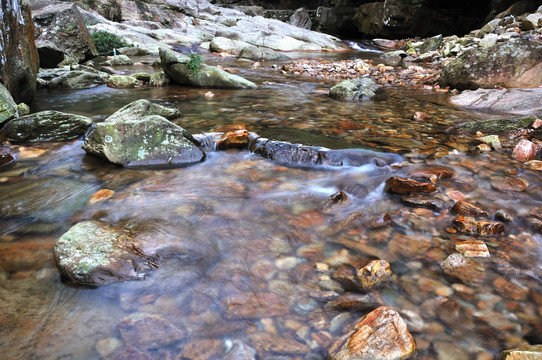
column 248, row 248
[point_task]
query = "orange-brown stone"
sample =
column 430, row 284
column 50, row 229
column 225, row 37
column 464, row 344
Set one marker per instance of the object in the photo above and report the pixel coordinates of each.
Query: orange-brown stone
column 381, row 334
column 407, row 186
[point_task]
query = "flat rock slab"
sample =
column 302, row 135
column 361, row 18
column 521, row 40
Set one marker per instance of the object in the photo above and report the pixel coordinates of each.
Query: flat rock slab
column 94, row 253
column 518, row 101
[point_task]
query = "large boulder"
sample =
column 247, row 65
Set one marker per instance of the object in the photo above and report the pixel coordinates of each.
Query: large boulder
column 46, row 126
column 177, row 67
column 354, row 90
column 8, row 107
column 19, row 59
column 94, row 253
column 516, row 63
column 139, row 139
column 63, row 25
column 518, row 101
column 382, row 334
column 222, row 44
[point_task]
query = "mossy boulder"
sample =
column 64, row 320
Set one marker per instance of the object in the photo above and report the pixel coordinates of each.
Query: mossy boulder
column 512, row 64
column 8, row 107
column 176, row 67
column 46, row 126
column 138, row 135
column 123, row 81
column 94, row 253
column 354, row 90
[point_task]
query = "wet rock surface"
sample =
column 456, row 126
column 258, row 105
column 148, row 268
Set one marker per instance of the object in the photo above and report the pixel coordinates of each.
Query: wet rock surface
column 46, row 126
column 380, row 334
column 353, row 90
column 93, row 253
column 119, row 139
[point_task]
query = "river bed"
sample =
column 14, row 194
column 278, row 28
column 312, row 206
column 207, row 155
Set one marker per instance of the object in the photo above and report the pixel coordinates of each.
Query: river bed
column 250, row 249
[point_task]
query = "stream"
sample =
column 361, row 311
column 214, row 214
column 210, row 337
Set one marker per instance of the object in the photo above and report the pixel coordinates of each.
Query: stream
column 250, row 249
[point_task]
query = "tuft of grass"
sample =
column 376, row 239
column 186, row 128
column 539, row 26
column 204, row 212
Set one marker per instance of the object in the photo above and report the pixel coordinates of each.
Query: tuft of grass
column 105, row 42
column 194, row 64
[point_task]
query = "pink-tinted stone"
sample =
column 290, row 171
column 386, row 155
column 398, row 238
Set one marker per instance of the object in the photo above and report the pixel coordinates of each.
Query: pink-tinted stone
column 525, row 150
column 381, row 334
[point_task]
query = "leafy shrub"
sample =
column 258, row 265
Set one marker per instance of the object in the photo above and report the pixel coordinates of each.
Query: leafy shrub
column 105, row 42
column 194, row 64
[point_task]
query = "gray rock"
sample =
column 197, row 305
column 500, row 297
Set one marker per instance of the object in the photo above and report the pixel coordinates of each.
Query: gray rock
column 354, row 90
column 46, row 126
column 77, row 79
column 394, row 58
column 177, row 69
column 301, row 155
column 119, row 60
column 149, row 331
column 514, row 63
column 517, row 101
column 134, row 137
column 261, row 53
column 159, row 79
column 431, row 44
column 222, row 44
column 123, row 81
column 142, row 108
column 8, row 107
column 94, row 253
column 63, row 25
column 133, row 51
column 301, row 18
column 19, row 62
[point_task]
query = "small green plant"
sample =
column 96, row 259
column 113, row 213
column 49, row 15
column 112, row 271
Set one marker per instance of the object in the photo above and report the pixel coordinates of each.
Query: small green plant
column 105, row 42
column 194, row 64
column 71, row 27
column 417, row 3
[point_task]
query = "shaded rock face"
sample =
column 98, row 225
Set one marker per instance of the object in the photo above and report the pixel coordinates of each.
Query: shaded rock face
column 19, row 59
column 63, row 25
column 8, row 107
column 353, row 90
column 94, row 253
column 511, row 64
column 133, row 137
column 46, row 126
column 381, row 334
column 401, row 19
column 176, row 67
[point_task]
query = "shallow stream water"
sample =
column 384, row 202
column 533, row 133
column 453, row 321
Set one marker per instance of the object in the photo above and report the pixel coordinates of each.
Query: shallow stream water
column 249, row 248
